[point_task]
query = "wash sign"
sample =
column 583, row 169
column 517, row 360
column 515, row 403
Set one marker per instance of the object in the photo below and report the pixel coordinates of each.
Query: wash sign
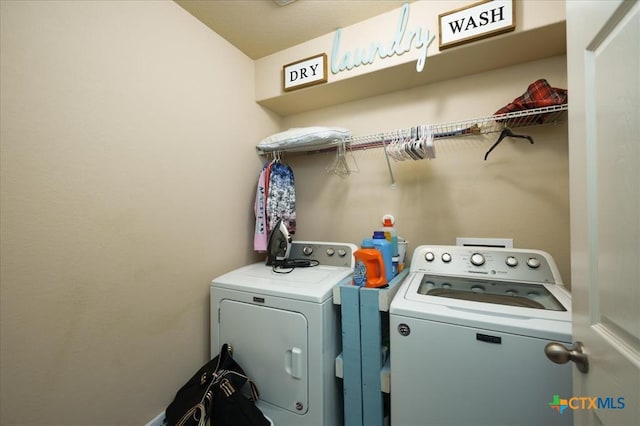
column 477, row 21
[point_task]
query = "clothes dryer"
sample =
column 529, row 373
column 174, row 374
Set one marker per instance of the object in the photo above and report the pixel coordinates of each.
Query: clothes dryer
column 468, row 330
column 285, row 331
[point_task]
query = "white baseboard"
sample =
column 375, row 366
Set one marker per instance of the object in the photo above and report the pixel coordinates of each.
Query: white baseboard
column 157, row 420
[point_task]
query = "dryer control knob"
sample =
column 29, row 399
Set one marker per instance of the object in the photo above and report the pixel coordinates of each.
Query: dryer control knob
column 477, row 259
column 330, row 251
column 306, row 250
column 342, row 252
column 446, row 257
column 429, row 256
column 532, row 262
column 511, row 261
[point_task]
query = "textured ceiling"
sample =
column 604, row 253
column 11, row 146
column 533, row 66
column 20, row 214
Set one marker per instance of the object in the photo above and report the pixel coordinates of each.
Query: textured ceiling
column 260, row 27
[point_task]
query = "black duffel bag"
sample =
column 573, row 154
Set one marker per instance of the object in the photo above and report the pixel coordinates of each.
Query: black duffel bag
column 213, row 393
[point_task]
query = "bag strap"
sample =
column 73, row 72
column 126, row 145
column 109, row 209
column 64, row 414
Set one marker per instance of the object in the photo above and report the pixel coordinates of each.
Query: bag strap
column 198, row 413
column 222, row 377
column 219, row 374
column 224, row 351
column 254, row 391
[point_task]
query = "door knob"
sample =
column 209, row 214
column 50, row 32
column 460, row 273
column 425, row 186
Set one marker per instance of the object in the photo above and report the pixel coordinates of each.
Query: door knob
column 559, row 354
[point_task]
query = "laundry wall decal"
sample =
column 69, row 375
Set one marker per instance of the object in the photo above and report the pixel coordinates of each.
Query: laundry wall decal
column 400, row 42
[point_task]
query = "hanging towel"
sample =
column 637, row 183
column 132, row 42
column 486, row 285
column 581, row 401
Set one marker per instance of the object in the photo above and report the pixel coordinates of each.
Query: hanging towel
column 281, row 197
column 260, row 235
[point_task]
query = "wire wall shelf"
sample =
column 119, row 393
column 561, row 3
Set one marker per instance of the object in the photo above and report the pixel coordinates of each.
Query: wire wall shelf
column 478, row 126
column 502, row 123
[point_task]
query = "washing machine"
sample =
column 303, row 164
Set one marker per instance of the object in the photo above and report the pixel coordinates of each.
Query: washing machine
column 285, row 331
column 468, row 330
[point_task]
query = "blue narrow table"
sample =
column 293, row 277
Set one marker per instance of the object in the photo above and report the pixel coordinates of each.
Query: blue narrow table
column 363, row 364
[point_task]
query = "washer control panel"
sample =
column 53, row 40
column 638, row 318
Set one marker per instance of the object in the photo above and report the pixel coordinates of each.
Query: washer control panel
column 507, row 264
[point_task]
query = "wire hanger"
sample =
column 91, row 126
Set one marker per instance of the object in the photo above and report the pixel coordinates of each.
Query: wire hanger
column 340, row 165
column 506, row 132
column 275, row 156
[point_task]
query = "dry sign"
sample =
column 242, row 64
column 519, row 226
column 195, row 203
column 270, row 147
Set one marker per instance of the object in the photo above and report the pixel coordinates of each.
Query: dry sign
column 305, row 72
column 479, row 20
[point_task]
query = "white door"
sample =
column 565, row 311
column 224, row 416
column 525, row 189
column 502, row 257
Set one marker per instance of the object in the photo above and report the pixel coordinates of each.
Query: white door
column 603, row 50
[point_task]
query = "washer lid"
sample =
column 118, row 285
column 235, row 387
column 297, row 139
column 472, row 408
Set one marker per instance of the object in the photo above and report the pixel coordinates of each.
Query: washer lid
column 412, row 302
column 314, row 284
column 523, row 295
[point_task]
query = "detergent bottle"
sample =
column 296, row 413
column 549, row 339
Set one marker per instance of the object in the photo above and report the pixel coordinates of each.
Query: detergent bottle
column 384, row 246
column 390, row 233
column 369, row 266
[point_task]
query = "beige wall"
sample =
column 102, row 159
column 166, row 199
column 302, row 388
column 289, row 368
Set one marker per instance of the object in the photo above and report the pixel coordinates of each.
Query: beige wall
column 128, row 174
column 520, row 192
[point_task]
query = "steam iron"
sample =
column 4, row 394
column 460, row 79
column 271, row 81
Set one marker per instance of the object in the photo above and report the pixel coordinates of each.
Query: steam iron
column 279, row 245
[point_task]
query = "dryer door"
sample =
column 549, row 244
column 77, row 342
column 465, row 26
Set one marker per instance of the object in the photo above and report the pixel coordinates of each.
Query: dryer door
column 270, row 344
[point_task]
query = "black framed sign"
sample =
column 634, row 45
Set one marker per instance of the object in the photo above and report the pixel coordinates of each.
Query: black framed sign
column 476, row 21
column 305, row 72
